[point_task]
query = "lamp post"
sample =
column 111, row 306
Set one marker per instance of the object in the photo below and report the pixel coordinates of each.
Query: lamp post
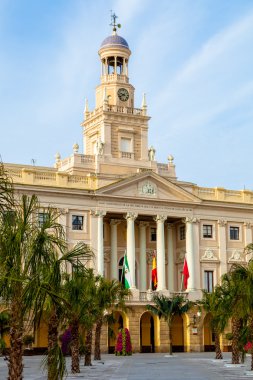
column 196, row 319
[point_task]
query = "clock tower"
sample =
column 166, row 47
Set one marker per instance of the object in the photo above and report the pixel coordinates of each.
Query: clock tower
column 116, row 131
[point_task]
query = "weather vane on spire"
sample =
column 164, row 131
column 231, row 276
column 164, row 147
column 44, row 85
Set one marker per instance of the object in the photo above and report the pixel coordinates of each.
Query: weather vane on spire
column 113, row 22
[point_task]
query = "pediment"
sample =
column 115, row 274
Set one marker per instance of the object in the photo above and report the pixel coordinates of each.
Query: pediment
column 148, row 186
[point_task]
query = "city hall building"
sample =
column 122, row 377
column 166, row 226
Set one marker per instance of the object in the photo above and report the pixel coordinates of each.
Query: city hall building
column 116, row 197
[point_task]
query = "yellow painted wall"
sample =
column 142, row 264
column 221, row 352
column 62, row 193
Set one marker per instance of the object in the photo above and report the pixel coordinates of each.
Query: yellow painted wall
column 42, row 335
column 145, row 329
column 207, row 330
column 177, row 331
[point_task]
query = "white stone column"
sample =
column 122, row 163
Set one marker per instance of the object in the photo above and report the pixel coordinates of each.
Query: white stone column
column 160, row 248
column 63, row 220
column 170, row 257
column 130, row 217
column 99, row 214
column 143, row 260
column 248, row 238
column 247, row 233
column 115, row 65
column 124, row 66
column 192, row 253
column 222, row 241
column 114, row 245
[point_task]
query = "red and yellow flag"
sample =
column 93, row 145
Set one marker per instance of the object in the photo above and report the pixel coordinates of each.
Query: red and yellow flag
column 186, row 274
column 154, row 274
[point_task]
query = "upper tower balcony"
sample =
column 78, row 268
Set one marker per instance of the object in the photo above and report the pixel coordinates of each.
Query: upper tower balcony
column 112, row 78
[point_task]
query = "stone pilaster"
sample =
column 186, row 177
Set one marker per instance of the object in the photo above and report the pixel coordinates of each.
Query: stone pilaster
column 222, row 245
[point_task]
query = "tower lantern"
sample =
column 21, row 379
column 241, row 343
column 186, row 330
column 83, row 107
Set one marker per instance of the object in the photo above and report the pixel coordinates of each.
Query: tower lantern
column 115, row 122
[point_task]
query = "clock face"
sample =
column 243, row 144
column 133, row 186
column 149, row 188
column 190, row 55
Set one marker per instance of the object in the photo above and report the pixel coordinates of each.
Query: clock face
column 123, row 94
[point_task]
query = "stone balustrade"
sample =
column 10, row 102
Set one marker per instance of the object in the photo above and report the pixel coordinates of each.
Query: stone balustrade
column 221, row 194
column 114, row 78
column 34, row 176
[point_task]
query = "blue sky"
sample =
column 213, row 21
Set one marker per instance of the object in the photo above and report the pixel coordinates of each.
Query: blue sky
column 193, row 58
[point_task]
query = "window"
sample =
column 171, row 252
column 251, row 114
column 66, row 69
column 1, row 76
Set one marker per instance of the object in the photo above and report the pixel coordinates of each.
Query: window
column 234, row 233
column 208, row 280
column 77, row 222
column 152, row 234
column 9, row 217
column 125, row 145
column 42, row 218
column 182, row 233
column 207, row 231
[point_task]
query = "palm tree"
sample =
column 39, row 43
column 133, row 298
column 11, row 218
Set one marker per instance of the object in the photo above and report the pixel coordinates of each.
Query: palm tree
column 110, row 294
column 167, row 308
column 6, row 191
column 243, row 280
column 16, row 233
column 50, row 298
column 79, row 294
column 231, row 289
column 212, row 303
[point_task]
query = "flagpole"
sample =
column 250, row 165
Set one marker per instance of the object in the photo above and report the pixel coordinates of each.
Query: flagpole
column 123, row 268
column 182, row 278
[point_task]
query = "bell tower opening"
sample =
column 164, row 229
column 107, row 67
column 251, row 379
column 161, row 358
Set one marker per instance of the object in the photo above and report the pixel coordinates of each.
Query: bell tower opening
column 114, row 65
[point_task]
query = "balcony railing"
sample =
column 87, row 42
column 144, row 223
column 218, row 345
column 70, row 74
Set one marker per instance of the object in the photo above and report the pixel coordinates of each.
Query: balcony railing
column 114, row 77
column 148, row 296
column 128, row 155
column 126, row 110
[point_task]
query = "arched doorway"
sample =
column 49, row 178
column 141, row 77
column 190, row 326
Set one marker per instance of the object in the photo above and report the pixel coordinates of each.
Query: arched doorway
column 208, row 334
column 113, row 329
column 147, row 333
column 177, row 334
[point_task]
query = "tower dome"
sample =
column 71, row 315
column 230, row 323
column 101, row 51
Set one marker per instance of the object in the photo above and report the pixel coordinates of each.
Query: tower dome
column 114, row 41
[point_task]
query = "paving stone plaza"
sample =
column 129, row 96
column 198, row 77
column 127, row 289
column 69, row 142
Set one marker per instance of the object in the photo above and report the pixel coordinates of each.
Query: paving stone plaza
column 193, row 366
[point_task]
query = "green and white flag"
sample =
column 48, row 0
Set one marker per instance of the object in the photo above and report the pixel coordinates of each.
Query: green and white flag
column 126, row 272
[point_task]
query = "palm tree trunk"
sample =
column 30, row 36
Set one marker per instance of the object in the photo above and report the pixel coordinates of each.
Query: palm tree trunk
column 88, row 347
column 74, row 346
column 53, row 324
column 236, row 325
column 251, row 338
column 97, row 353
column 218, row 353
column 170, row 337
column 16, row 340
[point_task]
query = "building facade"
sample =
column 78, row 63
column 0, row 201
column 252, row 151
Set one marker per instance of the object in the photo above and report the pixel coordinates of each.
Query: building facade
column 117, row 198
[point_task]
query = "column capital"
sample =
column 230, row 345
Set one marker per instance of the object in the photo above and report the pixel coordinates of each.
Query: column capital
column 170, row 226
column 131, row 216
column 63, row 211
column 143, row 224
column 247, row 224
column 191, row 220
column 222, row 222
column 115, row 222
column 160, row 218
column 98, row 213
